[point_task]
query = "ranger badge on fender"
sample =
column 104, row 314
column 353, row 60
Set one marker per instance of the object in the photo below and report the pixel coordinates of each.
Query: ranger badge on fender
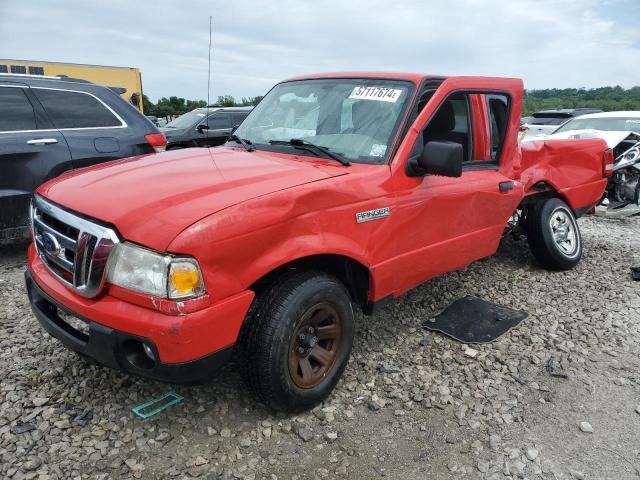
column 369, row 215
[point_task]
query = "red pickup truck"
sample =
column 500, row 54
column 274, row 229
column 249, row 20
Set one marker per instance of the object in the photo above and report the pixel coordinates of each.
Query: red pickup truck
column 338, row 191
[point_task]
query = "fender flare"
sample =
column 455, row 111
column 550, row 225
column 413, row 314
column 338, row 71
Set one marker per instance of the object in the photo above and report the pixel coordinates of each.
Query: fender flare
column 342, row 252
column 546, row 188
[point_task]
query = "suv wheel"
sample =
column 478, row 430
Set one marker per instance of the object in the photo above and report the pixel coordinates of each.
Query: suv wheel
column 553, row 234
column 297, row 339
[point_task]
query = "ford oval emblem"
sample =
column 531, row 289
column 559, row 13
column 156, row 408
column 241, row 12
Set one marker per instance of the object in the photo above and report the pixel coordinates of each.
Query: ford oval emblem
column 51, row 244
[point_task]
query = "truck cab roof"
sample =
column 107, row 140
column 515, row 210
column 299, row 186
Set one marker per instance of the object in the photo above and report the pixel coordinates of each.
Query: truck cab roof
column 411, row 77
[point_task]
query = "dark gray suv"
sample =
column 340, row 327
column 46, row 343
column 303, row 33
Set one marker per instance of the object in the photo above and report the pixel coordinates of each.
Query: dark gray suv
column 204, row 127
column 51, row 125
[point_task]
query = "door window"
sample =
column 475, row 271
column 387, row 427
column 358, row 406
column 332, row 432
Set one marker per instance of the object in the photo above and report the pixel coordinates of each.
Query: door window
column 219, row 121
column 451, row 123
column 75, row 109
column 16, row 112
column 498, row 111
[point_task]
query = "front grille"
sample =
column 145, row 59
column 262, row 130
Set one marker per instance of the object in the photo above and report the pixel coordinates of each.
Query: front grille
column 74, row 249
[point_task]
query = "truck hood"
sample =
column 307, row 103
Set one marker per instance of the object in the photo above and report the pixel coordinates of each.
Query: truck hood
column 150, row 199
column 612, row 138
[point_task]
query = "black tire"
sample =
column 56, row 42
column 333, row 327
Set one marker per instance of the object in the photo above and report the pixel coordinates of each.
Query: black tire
column 267, row 339
column 552, row 254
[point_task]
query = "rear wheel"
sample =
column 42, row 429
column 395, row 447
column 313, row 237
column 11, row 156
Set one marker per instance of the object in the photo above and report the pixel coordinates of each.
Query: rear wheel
column 297, row 339
column 553, row 234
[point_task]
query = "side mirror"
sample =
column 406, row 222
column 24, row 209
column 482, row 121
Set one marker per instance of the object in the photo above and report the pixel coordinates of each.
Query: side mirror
column 439, row 157
column 201, row 127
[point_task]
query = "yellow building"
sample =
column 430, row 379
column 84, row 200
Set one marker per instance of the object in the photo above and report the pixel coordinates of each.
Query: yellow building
column 127, row 79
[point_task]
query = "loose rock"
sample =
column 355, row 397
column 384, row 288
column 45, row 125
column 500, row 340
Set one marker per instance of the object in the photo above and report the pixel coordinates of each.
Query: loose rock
column 586, row 427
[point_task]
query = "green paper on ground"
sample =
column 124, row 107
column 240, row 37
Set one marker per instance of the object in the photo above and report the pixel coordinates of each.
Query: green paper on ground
column 157, row 405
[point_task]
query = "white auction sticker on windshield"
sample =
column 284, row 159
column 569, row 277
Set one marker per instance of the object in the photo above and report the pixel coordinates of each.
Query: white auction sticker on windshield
column 381, row 94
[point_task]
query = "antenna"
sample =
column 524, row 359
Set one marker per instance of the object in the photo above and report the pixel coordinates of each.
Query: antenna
column 209, row 70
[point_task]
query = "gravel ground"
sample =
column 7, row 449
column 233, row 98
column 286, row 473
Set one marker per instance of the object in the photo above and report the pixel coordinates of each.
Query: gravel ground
column 557, row 397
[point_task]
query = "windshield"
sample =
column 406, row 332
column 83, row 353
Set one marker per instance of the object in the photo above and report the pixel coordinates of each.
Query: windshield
column 610, row 124
column 186, row 120
column 356, row 118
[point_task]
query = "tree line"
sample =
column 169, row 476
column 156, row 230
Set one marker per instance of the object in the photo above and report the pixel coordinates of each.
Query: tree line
column 172, row 106
column 606, row 98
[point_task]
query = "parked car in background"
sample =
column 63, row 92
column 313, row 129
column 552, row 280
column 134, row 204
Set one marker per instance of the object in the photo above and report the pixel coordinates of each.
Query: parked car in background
column 153, row 119
column 546, row 121
column 621, row 131
column 52, row 125
column 203, row 127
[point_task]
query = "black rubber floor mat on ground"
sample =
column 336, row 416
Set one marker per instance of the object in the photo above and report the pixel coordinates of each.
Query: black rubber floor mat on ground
column 473, row 320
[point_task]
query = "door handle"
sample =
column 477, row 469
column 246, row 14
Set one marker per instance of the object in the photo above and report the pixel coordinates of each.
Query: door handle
column 505, row 186
column 42, row 141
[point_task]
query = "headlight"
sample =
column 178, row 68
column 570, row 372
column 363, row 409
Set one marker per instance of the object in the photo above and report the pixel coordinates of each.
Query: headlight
column 136, row 268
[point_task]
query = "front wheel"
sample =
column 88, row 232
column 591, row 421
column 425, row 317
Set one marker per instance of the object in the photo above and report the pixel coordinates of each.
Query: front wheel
column 553, row 234
column 297, row 339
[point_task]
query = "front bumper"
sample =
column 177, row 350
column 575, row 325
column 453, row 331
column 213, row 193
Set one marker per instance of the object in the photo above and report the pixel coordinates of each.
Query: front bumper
column 186, row 347
column 117, row 349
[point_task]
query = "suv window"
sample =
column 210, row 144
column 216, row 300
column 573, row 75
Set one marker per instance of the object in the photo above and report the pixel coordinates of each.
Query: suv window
column 17, row 112
column 239, row 117
column 218, row 121
column 75, row 109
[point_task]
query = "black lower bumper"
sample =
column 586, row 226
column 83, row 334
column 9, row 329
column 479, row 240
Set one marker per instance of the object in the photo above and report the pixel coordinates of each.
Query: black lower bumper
column 117, row 349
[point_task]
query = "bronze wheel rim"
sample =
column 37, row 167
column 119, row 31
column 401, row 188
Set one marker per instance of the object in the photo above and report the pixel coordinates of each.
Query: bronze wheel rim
column 314, row 345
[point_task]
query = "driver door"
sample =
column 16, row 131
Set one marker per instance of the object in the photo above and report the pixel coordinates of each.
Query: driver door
column 451, row 222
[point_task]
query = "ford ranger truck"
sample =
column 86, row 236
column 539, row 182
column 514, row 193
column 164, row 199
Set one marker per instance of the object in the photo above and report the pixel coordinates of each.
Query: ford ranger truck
column 338, row 192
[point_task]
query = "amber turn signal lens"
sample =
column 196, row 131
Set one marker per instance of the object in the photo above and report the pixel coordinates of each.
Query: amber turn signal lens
column 184, row 280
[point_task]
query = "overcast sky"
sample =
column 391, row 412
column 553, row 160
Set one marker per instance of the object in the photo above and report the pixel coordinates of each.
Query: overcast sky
column 549, row 43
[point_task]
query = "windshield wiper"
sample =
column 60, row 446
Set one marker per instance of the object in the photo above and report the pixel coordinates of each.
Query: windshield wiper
column 248, row 146
column 312, row 147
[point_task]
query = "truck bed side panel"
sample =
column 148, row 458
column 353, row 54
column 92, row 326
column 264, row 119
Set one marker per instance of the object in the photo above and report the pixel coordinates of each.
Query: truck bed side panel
column 571, row 167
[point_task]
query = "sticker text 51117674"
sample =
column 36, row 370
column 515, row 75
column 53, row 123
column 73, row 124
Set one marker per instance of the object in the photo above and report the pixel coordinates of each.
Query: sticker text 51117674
column 381, row 94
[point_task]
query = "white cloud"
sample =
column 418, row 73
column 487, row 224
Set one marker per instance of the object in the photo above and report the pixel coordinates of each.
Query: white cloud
column 549, row 43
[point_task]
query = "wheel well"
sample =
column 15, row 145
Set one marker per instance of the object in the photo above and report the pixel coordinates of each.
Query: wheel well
column 539, row 191
column 354, row 275
column 176, row 146
column 544, row 191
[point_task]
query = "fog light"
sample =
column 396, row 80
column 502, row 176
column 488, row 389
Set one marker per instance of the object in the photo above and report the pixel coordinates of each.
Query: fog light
column 148, row 351
column 138, row 354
